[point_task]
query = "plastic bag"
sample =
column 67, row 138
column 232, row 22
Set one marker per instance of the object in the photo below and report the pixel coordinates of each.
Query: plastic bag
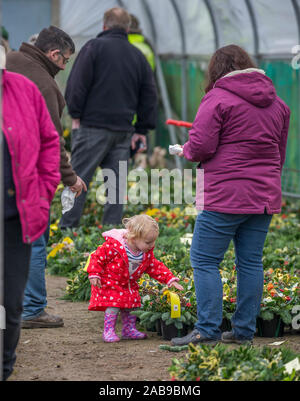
column 67, row 199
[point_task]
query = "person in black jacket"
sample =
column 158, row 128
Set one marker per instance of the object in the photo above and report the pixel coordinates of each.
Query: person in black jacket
column 109, row 83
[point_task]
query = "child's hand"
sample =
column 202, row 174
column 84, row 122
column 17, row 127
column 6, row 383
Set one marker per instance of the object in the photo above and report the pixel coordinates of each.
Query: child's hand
column 176, row 285
column 95, row 281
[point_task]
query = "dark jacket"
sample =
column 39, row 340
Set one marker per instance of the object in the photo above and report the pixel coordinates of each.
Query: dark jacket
column 10, row 204
column 35, row 65
column 110, row 82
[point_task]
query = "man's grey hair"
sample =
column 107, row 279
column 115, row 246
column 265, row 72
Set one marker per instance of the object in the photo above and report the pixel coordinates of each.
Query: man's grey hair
column 53, row 38
column 117, row 17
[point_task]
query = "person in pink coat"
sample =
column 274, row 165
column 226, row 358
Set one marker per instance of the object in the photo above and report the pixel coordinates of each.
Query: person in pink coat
column 31, row 159
column 115, row 269
column 239, row 137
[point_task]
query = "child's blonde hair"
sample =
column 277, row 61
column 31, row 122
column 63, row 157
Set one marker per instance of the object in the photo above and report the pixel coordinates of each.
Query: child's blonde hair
column 140, row 225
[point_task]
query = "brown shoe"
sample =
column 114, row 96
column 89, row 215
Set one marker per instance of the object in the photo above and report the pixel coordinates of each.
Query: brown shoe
column 43, row 321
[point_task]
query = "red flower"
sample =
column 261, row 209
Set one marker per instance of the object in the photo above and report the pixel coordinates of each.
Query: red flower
column 100, row 226
column 188, row 304
column 198, row 379
column 75, row 234
column 283, row 216
column 286, row 262
column 232, row 300
column 287, row 298
column 173, row 379
column 233, row 267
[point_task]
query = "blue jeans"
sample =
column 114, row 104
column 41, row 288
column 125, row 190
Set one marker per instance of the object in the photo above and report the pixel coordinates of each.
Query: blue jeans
column 35, row 296
column 212, row 235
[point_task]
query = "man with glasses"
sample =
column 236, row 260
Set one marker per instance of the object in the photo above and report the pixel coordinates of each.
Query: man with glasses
column 40, row 63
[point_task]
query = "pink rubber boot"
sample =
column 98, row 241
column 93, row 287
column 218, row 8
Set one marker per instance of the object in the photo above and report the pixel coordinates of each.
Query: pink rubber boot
column 129, row 331
column 109, row 334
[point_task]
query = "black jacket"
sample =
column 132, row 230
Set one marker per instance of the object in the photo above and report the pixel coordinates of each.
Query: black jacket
column 110, row 82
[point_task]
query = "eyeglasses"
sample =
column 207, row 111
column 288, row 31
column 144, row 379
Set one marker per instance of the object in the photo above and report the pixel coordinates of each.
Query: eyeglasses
column 65, row 59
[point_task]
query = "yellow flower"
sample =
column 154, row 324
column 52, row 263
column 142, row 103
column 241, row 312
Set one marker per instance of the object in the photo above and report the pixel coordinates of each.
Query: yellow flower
column 58, row 247
column 152, row 212
column 53, row 227
column 66, row 133
column 55, row 250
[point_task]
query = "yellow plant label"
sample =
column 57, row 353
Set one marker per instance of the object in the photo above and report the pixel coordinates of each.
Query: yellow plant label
column 175, row 304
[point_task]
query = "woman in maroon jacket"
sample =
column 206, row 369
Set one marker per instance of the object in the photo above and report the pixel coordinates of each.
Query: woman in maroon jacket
column 239, row 136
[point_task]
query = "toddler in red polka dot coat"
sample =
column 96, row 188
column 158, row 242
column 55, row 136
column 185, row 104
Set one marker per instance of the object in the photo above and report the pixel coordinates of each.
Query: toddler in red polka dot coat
column 115, row 268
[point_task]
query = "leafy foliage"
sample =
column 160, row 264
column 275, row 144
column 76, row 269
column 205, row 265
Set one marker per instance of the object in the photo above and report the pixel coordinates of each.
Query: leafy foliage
column 204, row 363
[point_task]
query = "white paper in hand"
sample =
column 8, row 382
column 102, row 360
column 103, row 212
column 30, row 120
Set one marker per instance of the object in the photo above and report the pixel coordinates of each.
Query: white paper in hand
column 175, row 149
column 67, row 199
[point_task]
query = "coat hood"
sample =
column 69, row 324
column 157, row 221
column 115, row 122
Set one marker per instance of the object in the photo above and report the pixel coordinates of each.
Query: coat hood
column 116, row 233
column 251, row 84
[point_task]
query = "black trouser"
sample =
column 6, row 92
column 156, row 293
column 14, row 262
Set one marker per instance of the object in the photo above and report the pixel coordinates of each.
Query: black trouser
column 16, row 267
column 93, row 147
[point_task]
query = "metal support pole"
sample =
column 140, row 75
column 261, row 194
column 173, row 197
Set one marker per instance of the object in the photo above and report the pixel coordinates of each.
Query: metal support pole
column 214, row 23
column 55, row 13
column 121, row 4
column 162, row 84
column 184, row 95
column 297, row 15
column 254, row 27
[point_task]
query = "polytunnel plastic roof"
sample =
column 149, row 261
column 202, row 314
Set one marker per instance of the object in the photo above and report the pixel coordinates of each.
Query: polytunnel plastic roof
column 195, row 27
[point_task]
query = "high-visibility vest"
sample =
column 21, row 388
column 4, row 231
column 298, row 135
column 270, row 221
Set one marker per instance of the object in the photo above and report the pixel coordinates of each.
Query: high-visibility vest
column 138, row 41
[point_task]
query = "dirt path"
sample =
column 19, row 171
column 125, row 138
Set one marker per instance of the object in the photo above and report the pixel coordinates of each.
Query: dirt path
column 77, row 352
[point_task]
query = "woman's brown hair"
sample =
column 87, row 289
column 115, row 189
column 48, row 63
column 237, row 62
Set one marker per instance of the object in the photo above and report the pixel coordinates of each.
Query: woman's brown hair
column 224, row 60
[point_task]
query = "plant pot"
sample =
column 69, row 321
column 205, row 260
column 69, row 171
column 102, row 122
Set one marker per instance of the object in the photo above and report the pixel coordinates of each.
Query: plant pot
column 270, row 328
column 170, row 331
column 225, row 325
column 150, row 327
column 158, row 327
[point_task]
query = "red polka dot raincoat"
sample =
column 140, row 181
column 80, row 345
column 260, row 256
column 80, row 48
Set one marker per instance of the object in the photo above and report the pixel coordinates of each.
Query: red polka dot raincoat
column 110, row 263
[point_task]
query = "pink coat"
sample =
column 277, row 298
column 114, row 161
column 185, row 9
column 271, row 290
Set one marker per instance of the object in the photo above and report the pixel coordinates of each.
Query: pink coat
column 33, row 144
column 240, row 136
column 110, row 263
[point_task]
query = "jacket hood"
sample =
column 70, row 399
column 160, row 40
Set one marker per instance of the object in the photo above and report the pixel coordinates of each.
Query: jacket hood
column 251, row 84
column 116, row 233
